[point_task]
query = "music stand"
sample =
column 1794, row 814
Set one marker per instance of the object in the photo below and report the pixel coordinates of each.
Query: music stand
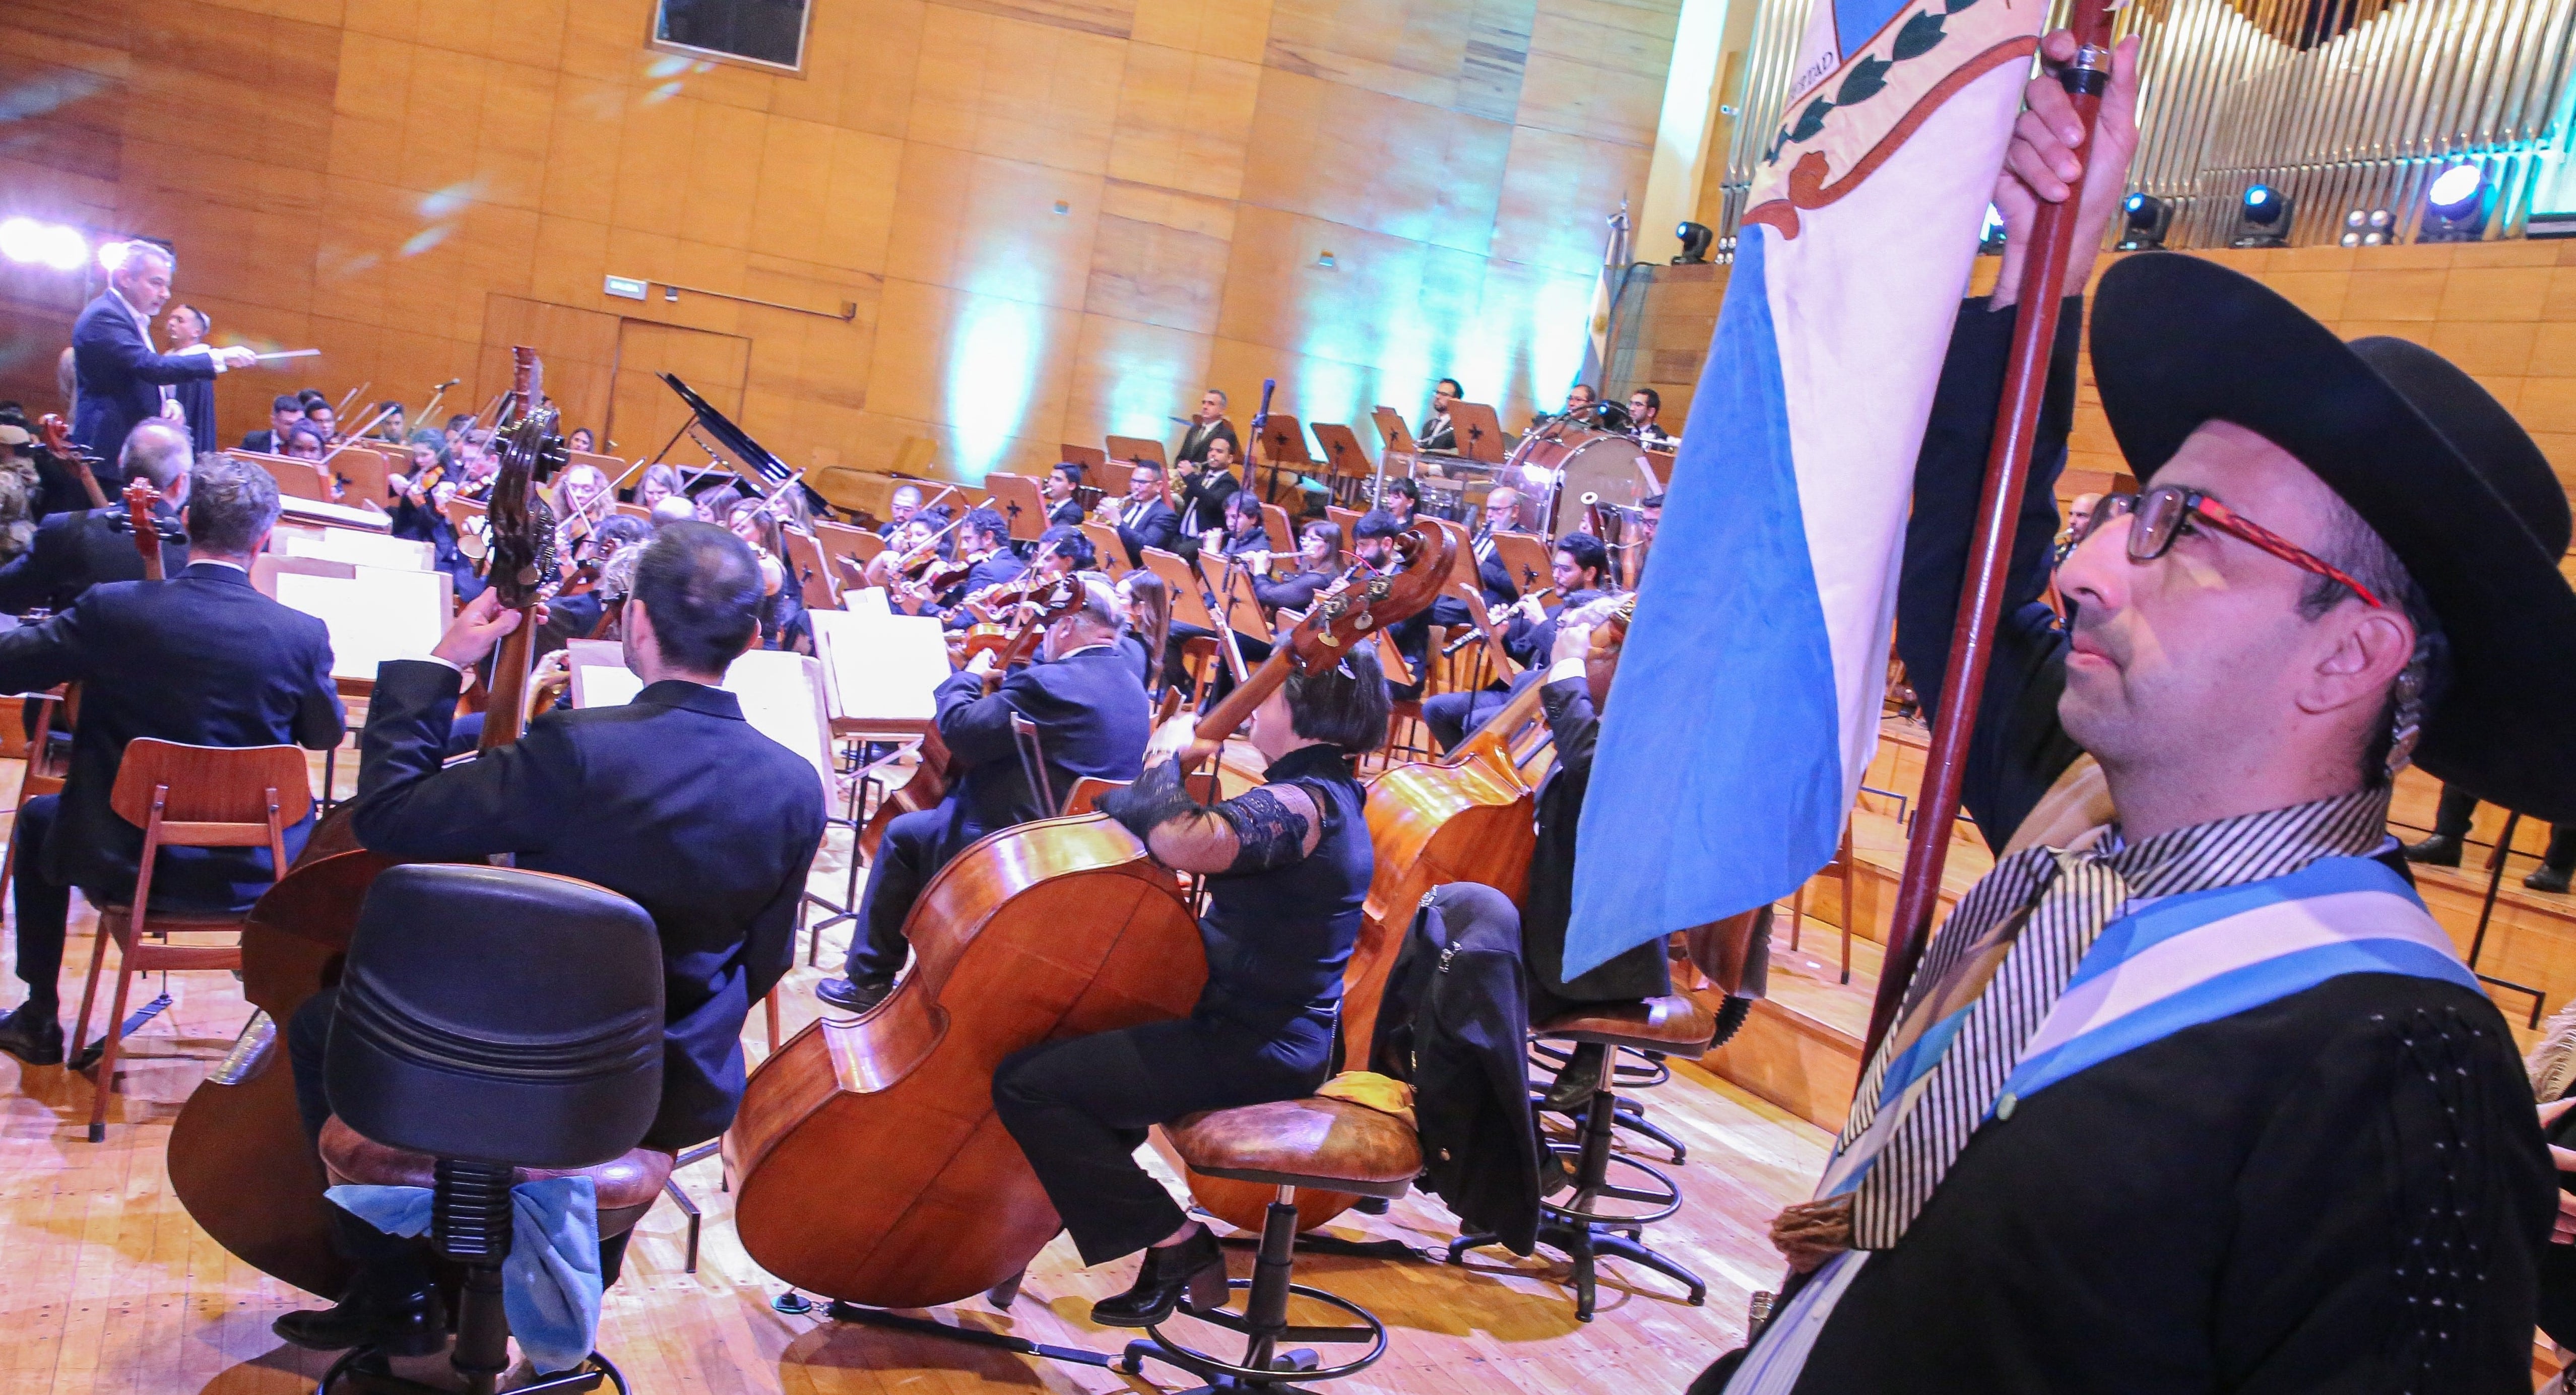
column 841, row 540
column 1138, row 448
column 1090, row 458
column 1527, row 557
column 812, row 570
column 362, row 475
column 1344, row 459
column 1105, row 542
column 1391, row 430
column 1188, row 607
column 1480, row 436
column 300, row 479
column 1016, row 498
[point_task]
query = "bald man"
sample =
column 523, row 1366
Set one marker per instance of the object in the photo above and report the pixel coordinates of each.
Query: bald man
column 1503, row 509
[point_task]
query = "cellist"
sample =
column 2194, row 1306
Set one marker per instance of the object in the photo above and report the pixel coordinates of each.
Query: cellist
column 1288, row 865
column 1092, row 720
column 672, row 799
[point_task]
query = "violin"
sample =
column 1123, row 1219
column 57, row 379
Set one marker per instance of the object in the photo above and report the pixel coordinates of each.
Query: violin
column 238, row 1158
column 1060, row 927
column 57, row 435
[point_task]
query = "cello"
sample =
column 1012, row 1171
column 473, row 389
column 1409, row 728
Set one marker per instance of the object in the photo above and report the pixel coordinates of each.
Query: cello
column 238, row 1158
column 1058, row 928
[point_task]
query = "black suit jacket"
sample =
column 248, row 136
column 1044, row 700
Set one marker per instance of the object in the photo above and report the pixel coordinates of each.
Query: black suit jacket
column 1065, row 515
column 73, row 552
column 201, row 659
column 196, row 397
column 1154, row 526
column 1203, row 498
column 1437, row 434
column 1092, row 719
column 672, row 800
column 1194, row 442
column 1002, row 565
column 1548, row 899
column 264, row 441
column 1533, row 643
column 120, row 376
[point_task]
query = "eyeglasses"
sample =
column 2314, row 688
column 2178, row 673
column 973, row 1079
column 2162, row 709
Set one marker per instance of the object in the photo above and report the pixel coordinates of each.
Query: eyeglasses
column 2158, row 519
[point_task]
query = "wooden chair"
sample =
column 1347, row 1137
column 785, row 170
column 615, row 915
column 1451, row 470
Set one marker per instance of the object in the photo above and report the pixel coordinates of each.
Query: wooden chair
column 43, row 774
column 185, row 797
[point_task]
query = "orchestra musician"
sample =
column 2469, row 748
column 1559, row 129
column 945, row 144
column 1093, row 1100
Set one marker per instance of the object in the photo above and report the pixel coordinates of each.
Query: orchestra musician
column 1207, row 427
column 1287, row 866
column 121, row 378
column 304, row 441
column 1644, row 406
column 1437, row 433
column 284, row 411
column 1319, row 561
column 1145, row 607
column 1373, row 544
column 1207, row 488
column 1580, row 572
column 319, row 415
column 671, row 799
column 905, row 502
column 1401, row 499
column 657, row 483
column 1142, row 519
column 1091, row 720
column 1062, row 493
column 71, row 552
column 984, row 541
column 389, row 423
column 576, row 615
column 200, row 659
column 1502, row 515
column 782, row 601
column 420, row 511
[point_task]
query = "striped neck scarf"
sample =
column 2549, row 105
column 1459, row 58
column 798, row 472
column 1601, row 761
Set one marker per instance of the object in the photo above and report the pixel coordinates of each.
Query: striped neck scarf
column 2000, row 963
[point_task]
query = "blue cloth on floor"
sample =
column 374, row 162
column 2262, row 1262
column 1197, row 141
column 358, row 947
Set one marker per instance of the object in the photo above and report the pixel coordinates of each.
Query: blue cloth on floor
column 550, row 1283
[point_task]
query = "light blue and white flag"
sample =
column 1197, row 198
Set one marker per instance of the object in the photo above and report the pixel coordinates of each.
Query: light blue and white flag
column 1747, row 702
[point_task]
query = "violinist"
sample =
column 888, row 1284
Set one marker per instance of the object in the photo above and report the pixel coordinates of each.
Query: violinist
column 782, row 600
column 672, row 799
column 984, row 544
column 71, row 552
column 584, row 492
column 1373, row 543
column 1287, row 865
column 201, row 659
column 1207, row 487
column 576, row 614
column 899, row 510
column 1091, row 720
column 1065, row 549
column 1145, row 610
column 420, row 510
column 1061, row 551
column 1142, row 519
column 659, row 482
column 1063, row 483
column 1581, row 571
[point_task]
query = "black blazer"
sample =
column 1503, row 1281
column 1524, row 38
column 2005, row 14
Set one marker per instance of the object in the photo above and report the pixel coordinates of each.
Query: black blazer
column 120, row 376
column 196, row 397
column 1203, row 498
column 1003, row 565
column 1491, row 574
column 1092, row 719
column 201, row 659
column 673, row 800
column 1437, row 434
column 1194, row 442
column 264, row 441
column 1547, row 902
column 73, row 552
column 1065, row 515
column 1151, row 525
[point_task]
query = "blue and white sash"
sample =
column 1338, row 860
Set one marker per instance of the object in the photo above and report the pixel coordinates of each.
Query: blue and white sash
column 2167, row 965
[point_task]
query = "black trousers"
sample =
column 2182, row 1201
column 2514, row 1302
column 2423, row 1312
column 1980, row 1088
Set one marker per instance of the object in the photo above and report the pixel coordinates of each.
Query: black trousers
column 907, row 857
column 2451, row 820
column 1453, row 717
column 44, row 907
column 387, row 1264
column 1079, row 1109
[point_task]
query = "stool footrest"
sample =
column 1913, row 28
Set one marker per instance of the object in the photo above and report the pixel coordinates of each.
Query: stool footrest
column 1165, row 1349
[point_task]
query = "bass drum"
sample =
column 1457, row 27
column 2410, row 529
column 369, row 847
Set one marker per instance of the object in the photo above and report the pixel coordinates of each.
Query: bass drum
column 1575, row 461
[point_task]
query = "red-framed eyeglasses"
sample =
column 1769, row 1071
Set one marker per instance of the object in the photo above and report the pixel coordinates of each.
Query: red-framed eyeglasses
column 2158, row 516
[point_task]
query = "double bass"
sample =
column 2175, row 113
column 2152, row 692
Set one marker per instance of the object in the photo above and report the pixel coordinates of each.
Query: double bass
column 868, row 1163
column 238, row 1158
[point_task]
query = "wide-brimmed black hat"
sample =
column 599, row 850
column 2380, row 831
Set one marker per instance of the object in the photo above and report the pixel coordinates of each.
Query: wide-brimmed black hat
column 2433, row 463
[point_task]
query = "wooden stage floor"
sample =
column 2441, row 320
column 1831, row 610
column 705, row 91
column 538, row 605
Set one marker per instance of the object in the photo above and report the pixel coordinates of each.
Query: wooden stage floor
column 106, row 1285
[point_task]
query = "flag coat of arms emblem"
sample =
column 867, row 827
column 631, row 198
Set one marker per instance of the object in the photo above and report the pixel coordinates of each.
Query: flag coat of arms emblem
column 1748, row 696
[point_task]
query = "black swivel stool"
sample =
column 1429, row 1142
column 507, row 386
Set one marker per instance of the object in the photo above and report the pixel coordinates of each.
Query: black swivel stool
column 1330, row 1145
column 495, row 1027
column 1583, row 1227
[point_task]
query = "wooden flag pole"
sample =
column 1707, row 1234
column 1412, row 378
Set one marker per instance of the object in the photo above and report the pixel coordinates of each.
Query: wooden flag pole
column 1981, row 592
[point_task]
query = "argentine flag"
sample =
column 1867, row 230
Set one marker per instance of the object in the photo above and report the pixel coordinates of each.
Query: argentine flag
column 1747, row 703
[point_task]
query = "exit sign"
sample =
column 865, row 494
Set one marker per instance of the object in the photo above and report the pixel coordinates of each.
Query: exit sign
column 627, row 287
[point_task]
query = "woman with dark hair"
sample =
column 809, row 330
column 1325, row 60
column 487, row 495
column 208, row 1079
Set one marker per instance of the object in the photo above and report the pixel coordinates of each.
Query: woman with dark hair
column 782, row 604
column 1149, row 622
column 1287, row 866
column 581, row 440
column 1319, row 560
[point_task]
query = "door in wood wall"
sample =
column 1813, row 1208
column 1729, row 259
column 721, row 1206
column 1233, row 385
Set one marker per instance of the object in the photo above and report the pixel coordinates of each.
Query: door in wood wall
column 645, row 413
column 578, row 348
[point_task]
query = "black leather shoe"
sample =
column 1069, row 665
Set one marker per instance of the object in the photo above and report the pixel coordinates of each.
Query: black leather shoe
column 2547, row 879
column 2440, row 850
column 32, row 1036
column 1188, row 1275
column 404, row 1324
column 851, row 996
column 1577, row 1081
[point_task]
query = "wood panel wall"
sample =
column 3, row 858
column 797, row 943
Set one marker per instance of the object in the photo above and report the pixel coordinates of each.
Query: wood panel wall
column 1057, row 218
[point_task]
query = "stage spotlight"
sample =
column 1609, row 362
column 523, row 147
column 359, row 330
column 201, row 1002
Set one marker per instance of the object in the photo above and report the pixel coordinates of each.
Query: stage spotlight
column 2455, row 206
column 1695, row 240
column 2262, row 218
column 43, row 244
column 2143, row 221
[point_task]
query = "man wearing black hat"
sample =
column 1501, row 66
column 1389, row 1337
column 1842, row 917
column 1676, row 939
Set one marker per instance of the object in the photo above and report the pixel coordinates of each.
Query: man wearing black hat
column 2190, row 1093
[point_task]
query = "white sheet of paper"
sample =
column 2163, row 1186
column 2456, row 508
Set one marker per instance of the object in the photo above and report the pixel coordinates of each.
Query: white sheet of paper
column 381, row 613
column 776, row 690
column 884, row 668
column 869, row 600
column 363, row 549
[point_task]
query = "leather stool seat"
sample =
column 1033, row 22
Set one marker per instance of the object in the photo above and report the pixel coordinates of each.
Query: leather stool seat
column 1654, row 1024
column 1328, row 1144
column 627, row 1185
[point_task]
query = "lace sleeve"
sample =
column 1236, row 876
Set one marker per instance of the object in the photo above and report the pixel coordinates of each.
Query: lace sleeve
column 1271, row 826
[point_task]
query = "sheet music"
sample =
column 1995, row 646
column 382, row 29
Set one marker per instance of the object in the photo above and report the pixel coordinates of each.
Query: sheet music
column 883, row 668
column 380, row 613
column 778, row 691
column 363, row 549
